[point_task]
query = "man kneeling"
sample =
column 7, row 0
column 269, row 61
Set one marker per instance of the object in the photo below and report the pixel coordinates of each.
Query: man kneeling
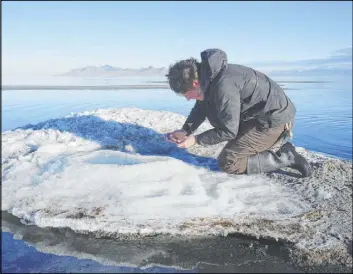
column 245, row 107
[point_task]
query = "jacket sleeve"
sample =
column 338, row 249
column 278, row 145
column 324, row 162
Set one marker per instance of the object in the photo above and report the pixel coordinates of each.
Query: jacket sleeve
column 227, row 102
column 196, row 117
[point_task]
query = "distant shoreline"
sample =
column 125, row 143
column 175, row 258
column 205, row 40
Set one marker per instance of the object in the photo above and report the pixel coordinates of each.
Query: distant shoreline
column 106, row 87
column 120, row 87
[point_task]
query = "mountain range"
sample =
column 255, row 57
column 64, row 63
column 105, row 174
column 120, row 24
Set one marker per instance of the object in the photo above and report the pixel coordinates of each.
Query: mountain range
column 110, row 71
column 338, row 63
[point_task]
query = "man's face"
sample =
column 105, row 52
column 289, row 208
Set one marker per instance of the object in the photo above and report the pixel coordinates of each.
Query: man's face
column 195, row 92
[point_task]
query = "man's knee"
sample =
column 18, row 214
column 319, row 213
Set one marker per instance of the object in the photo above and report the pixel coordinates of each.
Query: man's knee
column 233, row 164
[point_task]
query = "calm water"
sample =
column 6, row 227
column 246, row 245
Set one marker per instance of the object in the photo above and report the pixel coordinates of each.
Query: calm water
column 323, row 123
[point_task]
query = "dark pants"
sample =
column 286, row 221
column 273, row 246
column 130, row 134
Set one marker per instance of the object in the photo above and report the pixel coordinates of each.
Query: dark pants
column 250, row 140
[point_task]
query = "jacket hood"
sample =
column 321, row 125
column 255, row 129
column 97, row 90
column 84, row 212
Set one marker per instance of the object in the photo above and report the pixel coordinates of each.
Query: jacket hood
column 212, row 62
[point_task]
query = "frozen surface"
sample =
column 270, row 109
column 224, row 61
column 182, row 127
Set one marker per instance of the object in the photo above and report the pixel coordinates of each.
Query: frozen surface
column 110, row 172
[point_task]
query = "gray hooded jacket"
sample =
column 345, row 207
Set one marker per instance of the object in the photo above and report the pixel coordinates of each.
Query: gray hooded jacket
column 233, row 95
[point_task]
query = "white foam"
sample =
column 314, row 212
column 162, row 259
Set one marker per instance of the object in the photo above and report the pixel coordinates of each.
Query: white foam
column 56, row 174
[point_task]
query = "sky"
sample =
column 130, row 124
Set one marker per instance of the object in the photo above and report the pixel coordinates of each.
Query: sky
column 54, row 37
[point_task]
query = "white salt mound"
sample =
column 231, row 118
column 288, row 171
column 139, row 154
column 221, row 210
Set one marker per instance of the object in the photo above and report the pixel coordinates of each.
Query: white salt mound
column 111, row 172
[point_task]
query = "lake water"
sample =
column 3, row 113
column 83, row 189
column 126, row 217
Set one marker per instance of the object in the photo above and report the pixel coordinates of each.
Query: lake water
column 323, row 124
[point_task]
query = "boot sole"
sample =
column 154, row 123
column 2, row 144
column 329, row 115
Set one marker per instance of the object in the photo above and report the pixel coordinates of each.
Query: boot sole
column 305, row 168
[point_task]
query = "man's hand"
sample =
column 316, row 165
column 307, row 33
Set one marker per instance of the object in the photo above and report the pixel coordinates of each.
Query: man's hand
column 188, row 142
column 177, row 136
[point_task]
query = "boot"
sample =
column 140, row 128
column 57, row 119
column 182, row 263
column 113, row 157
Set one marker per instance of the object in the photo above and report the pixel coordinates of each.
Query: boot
column 286, row 156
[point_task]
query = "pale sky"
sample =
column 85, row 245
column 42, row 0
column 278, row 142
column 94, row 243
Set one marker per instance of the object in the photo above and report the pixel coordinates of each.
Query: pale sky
column 46, row 38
